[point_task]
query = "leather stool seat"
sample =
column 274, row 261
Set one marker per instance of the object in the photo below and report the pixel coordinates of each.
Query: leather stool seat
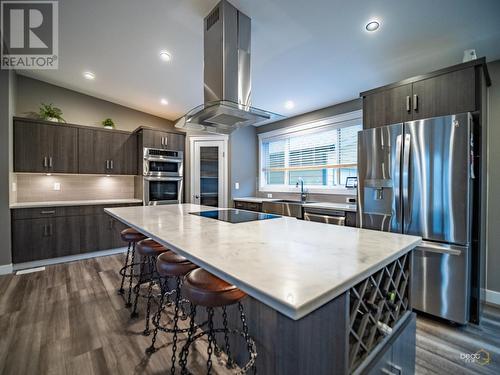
column 172, row 264
column 131, row 235
column 204, row 289
column 149, row 247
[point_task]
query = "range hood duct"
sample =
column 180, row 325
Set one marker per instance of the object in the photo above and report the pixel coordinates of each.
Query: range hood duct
column 227, row 84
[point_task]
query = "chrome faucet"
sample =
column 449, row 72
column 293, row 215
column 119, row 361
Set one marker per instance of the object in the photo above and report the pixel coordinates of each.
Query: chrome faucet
column 303, row 192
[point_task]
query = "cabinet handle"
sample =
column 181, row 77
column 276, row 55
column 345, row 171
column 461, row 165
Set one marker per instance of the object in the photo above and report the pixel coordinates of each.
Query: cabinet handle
column 415, row 102
column 162, row 142
column 110, row 223
column 50, row 162
column 50, row 230
column 45, row 162
column 111, row 164
column 45, row 231
column 408, row 103
column 107, row 164
column 52, row 212
column 165, row 141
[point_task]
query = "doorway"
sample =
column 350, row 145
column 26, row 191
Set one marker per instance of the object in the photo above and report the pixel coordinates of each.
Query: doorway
column 209, row 171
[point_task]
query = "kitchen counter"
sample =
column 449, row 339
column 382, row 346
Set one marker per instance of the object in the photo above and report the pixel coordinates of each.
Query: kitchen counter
column 332, row 206
column 290, row 265
column 256, row 199
column 95, row 202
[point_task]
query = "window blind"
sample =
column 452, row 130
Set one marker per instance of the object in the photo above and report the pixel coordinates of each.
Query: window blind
column 321, row 157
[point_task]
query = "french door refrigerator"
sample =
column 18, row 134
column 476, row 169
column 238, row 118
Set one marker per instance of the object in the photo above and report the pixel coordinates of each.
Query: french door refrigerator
column 416, row 178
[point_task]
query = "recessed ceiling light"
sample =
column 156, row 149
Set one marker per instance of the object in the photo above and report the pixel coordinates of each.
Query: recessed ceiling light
column 289, row 104
column 165, row 56
column 163, row 101
column 372, row 26
column 89, row 75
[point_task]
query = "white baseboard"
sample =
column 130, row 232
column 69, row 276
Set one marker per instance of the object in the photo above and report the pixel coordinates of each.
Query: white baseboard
column 493, row 297
column 66, row 259
column 6, row 269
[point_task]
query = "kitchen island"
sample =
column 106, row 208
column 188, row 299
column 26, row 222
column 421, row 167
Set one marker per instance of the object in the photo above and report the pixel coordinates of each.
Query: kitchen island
column 313, row 288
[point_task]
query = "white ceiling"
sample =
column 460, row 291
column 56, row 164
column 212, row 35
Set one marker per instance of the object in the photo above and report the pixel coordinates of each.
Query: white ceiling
column 315, row 53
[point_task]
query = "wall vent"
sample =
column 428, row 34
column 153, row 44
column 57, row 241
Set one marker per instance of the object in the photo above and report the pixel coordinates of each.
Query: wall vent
column 212, row 18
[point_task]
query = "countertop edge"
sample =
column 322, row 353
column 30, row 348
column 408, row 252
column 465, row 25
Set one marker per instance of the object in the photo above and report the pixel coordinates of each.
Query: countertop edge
column 285, row 309
column 97, row 202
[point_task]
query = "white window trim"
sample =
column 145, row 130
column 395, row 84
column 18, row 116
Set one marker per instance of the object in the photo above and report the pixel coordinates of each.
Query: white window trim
column 335, row 122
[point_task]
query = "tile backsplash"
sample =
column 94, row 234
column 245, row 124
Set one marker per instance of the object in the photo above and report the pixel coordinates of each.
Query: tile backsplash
column 40, row 188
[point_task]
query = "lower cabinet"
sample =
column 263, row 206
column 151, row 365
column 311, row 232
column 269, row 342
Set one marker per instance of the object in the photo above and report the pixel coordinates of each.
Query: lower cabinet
column 249, row 206
column 66, row 231
column 398, row 357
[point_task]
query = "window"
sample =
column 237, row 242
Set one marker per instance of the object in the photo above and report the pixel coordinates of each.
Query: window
column 323, row 156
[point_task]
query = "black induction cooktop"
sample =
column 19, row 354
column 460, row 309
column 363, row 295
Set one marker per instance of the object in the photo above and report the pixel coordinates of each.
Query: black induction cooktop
column 235, row 216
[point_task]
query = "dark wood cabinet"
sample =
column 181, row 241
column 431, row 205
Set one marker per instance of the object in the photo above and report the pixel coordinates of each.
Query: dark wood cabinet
column 445, row 92
column 106, row 152
column 41, row 147
column 249, row 206
column 387, row 107
column 444, row 95
column 162, row 139
column 52, row 232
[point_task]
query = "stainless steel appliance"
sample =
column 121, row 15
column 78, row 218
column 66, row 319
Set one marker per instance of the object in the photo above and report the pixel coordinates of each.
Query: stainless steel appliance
column 227, row 83
column 162, row 163
column 416, row 178
column 162, row 190
column 324, row 216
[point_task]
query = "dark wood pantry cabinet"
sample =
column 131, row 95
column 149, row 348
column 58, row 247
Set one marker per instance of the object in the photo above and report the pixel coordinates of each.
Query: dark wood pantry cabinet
column 452, row 90
column 45, row 147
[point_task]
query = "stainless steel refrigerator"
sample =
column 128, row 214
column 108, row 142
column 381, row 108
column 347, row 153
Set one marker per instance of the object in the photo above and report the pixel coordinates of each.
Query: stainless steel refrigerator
column 416, row 178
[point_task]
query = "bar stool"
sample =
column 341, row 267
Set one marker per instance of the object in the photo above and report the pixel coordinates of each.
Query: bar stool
column 149, row 250
column 131, row 236
column 170, row 264
column 204, row 289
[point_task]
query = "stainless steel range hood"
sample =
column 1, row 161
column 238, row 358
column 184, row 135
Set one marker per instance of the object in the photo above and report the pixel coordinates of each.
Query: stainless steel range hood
column 227, row 84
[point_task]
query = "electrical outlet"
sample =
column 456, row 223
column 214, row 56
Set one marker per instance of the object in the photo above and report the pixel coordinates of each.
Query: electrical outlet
column 57, row 186
column 269, row 195
column 14, row 186
column 237, row 185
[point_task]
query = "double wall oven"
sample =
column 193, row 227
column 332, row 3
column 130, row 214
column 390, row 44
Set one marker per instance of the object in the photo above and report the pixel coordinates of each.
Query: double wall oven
column 162, row 180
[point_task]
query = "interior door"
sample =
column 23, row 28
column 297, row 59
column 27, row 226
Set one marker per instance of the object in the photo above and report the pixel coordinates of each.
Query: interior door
column 436, row 180
column 379, row 166
column 208, row 173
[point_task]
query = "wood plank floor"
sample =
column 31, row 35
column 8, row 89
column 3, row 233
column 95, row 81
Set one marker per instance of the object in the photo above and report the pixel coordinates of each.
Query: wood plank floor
column 68, row 319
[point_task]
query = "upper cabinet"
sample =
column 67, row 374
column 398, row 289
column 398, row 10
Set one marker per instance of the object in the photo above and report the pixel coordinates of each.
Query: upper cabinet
column 41, row 147
column 106, row 152
column 161, row 139
column 444, row 92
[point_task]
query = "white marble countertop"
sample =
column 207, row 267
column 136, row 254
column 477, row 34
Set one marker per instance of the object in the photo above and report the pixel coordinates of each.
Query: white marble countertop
column 256, row 199
column 332, row 206
column 73, row 203
column 291, row 265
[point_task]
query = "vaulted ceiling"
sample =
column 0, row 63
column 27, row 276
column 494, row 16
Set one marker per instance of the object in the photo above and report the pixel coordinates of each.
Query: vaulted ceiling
column 314, row 53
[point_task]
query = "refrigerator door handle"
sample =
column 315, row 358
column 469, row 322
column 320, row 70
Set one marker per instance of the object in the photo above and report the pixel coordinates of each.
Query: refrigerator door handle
column 397, row 178
column 439, row 248
column 406, row 182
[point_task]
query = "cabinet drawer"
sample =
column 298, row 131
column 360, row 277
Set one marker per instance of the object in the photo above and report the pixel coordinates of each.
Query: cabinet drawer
column 44, row 212
column 250, row 206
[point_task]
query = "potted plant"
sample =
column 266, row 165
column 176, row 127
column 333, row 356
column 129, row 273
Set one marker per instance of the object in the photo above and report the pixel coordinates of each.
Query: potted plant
column 51, row 113
column 108, row 124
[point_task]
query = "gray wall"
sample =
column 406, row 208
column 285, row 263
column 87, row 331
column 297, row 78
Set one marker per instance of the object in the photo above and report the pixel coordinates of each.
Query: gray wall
column 243, row 162
column 7, row 93
column 336, row 109
column 80, row 108
column 493, row 230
